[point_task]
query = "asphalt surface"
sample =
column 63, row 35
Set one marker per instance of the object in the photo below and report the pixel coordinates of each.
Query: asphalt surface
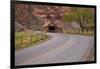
column 59, row 49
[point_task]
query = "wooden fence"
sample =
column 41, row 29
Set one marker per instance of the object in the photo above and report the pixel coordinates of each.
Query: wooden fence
column 26, row 40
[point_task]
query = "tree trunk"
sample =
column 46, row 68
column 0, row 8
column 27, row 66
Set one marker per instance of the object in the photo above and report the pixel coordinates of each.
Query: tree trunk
column 81, row 25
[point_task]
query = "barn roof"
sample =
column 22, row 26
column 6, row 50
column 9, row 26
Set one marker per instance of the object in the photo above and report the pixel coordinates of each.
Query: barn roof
column 46, row 22
column 58, row 23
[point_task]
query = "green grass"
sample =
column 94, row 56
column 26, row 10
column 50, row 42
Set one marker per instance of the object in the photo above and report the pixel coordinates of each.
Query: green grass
column 27, row 39
column 79, row 32
column 90, row 33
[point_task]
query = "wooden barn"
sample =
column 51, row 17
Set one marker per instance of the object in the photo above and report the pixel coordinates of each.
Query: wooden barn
column 56, row 26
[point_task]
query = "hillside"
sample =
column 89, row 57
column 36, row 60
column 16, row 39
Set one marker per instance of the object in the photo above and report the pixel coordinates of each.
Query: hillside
column 32, row 17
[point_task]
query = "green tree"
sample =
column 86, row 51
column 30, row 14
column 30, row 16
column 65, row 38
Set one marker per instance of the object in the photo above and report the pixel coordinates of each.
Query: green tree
column 82, row 16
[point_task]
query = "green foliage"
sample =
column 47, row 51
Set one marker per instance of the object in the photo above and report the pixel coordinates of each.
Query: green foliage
column 82, row 16
column 70, row 17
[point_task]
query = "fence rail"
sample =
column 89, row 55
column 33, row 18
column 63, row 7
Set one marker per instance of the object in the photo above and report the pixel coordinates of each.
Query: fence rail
column 24, row 40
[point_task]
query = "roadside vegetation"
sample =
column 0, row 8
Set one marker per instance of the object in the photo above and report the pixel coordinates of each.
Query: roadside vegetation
column 84, row 17
column 79, row 32
column 26, row 39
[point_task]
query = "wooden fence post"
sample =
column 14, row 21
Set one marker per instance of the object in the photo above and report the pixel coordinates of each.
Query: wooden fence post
column 22, row 39
column 37, row 36
column 31, row 38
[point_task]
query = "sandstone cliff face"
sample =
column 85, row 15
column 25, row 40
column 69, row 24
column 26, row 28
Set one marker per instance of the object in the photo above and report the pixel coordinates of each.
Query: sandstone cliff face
column 24, row 17
column 32, row 17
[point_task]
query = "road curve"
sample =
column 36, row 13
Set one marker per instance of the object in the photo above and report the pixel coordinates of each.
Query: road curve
column 60, row 48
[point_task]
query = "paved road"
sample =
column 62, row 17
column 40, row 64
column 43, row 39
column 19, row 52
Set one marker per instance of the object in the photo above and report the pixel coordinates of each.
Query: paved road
column 60, row 48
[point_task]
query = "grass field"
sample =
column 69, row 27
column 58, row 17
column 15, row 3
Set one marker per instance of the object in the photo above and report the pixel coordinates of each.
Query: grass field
column 79, row 32
column 26, row 39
